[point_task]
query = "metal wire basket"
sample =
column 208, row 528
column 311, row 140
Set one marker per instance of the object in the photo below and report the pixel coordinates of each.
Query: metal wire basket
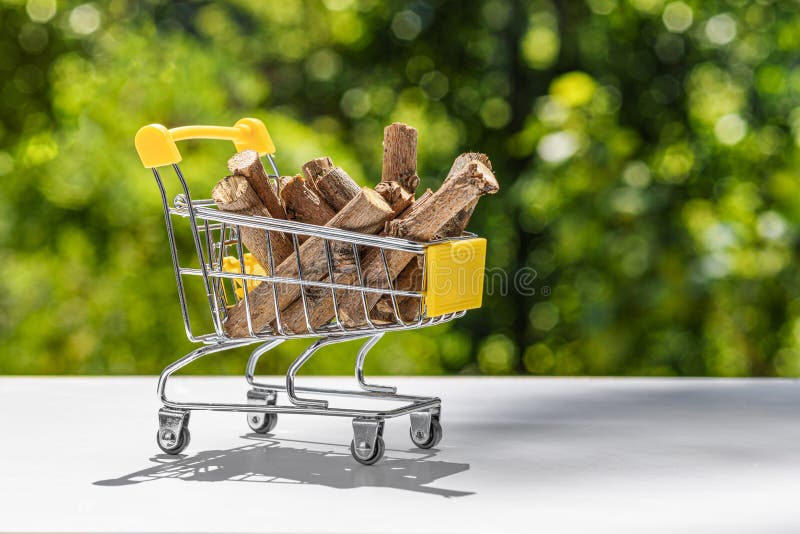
column 451, row 283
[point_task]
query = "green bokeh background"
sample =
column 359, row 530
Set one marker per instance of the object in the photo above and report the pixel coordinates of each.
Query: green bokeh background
column 647, row 152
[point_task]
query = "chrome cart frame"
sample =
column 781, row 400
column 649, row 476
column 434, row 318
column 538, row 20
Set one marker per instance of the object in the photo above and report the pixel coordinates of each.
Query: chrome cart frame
column 216, row 235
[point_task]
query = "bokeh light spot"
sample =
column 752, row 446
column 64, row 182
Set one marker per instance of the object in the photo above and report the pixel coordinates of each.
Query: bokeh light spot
column 573, row 89
column 677, row 17
column 544, row 316
column 355, row 103
column 636, row 174
column 84, row 19
column 540, row 46
column 41, row 10
column 730, row 129
column 497, row 355
column 495, row 113
column 721, row 29
column 435, row 84
column 406, row 25
column 557, row 147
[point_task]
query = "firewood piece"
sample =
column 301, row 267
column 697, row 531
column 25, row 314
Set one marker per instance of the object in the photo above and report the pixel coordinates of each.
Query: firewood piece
column 400, row 156
column 472, row 181
column 235, row 194
column 336, row 188
column 366, row 213
column 475, row 179
column 456, row 226
column 394, row 193
column 282, row 181
column 465, row 158
column 248, row 164
column 316, row 168
column 410, row 278
column 302, row 204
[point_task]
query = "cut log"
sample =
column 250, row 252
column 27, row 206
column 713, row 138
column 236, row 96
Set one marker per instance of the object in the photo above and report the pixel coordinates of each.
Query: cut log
column 458, row 224
column 400, row 156
column 319, row 303
column 316, row 168
column 336, row 188
column 236, row 195
column 282, row 181
column 410, row 278
column 472, row 181
column 248, row 164
column 302, row 204
column 394, row 193
column 366, row 213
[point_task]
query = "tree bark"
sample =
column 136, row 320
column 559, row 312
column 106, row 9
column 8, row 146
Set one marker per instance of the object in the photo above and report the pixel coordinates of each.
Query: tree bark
column 366, row 213
column 235, row 194
column 248, row 164
column 400, row 156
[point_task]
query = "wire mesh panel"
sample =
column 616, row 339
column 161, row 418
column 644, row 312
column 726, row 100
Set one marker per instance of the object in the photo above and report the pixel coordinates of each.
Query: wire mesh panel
column 300, row 296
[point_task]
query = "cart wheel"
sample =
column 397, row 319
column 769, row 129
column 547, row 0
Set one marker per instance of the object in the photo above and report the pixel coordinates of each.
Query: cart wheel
column 377, row 452
column 262, row 423
column 434, row 437
column 171, row 444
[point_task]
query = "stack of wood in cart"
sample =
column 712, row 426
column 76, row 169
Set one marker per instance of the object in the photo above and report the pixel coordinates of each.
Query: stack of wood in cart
column 325, row 195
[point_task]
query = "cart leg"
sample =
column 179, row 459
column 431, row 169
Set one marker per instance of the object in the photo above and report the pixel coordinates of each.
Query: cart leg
column 250, row 370
column 367, row 446
column 262, row 422
column 186, row 360
column 173, row 430
column 426, row 430
column 298, row 363
column 362, row 354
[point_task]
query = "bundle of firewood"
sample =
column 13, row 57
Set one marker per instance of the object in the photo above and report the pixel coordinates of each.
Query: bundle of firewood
column 325, row 195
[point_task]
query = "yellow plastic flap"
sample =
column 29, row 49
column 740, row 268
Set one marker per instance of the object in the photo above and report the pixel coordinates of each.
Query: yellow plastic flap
column 251, row 266
column 454, row 272
column 156, row 144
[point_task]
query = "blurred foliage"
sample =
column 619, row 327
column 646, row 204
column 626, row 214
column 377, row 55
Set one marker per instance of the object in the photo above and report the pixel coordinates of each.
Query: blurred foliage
column 647, row 153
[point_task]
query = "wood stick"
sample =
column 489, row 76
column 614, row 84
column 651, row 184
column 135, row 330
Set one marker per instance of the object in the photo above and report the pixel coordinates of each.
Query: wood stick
column 248, row 164
column 456, row 226
column 316, row 168
column 394, row 193
column 336, row 188
column 410, row 278
column 366, row 213
column 235, row 194
column 320, row 304
column 400, row 156
column 302, row 204
column 472, row 181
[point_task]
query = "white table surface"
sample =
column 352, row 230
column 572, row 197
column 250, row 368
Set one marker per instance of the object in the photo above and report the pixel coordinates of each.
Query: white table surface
column 518, row 455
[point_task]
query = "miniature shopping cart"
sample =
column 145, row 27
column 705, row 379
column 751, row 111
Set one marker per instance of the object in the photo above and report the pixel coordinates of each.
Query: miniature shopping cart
column 452, row 283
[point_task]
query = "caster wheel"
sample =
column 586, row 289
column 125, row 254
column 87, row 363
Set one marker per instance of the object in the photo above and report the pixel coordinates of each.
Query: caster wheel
column 377, row 452
column 435, row 436
column 170, row 443
column 262, row 423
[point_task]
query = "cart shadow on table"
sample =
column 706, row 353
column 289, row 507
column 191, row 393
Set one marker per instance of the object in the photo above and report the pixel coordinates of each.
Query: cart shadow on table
column 272, row 461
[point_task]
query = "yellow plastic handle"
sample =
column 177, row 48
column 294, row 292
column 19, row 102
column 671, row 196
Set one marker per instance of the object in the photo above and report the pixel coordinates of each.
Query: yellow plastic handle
column 156, row 144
